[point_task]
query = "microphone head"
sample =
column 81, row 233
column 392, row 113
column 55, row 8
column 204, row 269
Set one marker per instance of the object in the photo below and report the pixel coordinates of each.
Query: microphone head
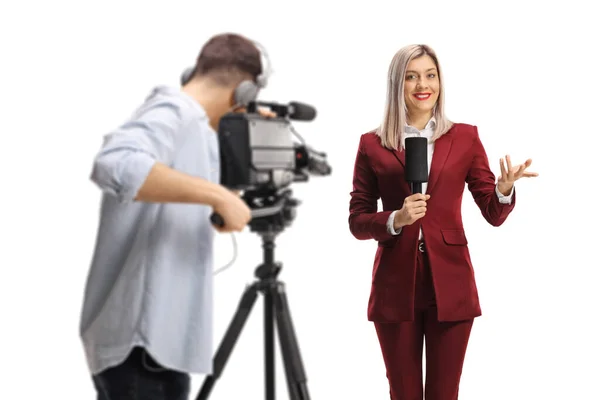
column 301, row 112
column 416, row 170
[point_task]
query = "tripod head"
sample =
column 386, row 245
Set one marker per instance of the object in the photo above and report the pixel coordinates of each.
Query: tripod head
column 273, row 210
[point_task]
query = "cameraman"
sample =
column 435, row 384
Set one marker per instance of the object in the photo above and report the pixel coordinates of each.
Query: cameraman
column 146, row 321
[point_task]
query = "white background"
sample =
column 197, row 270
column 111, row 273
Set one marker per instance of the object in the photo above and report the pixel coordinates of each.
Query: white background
column 526, row 75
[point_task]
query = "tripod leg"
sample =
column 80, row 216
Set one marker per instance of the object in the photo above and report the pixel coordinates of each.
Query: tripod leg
column 269, row 332
column 288, row 369
column 232, row 334
column 289, row 346
column 289, row 378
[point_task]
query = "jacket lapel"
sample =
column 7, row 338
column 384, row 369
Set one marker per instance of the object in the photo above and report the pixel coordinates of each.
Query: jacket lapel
column 401, row 156
column 441, row 150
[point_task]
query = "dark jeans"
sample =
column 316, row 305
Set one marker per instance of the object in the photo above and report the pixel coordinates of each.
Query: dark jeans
column 140, row 377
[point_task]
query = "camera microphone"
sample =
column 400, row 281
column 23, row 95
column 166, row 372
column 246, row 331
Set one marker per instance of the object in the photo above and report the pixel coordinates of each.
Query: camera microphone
column 293, row 110
column 416, row 170
column 301, row 112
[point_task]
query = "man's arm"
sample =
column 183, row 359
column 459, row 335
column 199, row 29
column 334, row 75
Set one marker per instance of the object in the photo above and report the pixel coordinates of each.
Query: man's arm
column 166, row 185
column 133, row 162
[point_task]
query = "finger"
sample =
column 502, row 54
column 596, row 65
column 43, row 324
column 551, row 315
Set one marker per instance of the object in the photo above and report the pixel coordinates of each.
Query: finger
column 418, row 216
column 524, row 166
column 503, row 173
column 417, row 204
column 530, row 174
column 416, row 197
column 520, row 171
column 509, row 166
column 266, row 113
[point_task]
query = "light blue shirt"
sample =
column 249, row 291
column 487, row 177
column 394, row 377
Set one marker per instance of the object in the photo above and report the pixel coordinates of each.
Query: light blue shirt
column 151, row 277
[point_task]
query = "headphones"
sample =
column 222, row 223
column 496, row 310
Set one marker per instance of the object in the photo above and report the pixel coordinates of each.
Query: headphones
column 247, row 91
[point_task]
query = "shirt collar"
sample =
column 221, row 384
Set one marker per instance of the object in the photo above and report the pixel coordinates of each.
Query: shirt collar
column 426, row 132
column 166, row 90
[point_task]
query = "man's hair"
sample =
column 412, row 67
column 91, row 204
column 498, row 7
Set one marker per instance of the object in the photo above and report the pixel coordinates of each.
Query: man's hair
column 228, row 58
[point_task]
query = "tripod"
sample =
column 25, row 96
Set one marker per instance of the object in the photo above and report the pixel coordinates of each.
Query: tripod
column 276, row 308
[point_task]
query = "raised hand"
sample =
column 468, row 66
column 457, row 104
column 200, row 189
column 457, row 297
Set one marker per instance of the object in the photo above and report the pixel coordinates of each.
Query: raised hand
column 509, row 174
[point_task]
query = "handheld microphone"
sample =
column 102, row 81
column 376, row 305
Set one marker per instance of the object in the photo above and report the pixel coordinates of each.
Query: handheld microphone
column 416, row 171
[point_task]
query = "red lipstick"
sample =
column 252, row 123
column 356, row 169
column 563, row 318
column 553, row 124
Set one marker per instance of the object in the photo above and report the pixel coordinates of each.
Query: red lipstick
column 422, row 96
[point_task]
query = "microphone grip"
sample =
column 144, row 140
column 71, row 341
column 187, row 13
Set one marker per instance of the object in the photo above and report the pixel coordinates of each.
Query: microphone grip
column 417, row 187
column 217, row 220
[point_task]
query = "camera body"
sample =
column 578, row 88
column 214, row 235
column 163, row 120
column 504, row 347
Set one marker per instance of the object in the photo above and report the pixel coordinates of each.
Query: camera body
column 260, row 153
column 256, row 152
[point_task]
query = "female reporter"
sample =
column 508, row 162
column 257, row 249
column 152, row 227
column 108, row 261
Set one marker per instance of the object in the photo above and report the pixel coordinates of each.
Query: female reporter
column 423, row 286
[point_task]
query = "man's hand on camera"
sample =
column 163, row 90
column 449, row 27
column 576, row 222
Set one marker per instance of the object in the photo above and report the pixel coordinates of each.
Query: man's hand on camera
column 262, row 111
column 234, row 211
column 266, row 113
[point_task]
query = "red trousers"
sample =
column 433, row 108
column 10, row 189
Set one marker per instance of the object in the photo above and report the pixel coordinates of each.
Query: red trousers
column 445, row 347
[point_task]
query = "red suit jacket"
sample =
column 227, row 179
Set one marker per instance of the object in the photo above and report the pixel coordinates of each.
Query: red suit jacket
column 458, row 157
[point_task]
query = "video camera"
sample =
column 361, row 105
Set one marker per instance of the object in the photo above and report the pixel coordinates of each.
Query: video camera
column 260, row 157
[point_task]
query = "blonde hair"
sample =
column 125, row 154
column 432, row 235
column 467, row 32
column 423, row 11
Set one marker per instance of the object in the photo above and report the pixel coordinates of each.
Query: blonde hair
column 395, row 116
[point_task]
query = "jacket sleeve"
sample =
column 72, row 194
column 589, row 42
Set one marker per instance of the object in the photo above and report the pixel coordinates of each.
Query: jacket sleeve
column 481, row 182
column 364, row 220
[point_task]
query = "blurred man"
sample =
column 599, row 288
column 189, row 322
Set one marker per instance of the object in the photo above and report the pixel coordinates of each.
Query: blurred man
column 146, row 322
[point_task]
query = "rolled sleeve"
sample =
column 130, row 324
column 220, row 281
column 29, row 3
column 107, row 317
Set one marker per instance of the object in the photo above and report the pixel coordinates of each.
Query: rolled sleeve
column 122, row 173
column 129, row 153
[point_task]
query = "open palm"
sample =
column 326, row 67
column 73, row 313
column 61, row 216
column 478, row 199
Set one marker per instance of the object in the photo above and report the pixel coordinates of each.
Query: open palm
column 510, row 174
